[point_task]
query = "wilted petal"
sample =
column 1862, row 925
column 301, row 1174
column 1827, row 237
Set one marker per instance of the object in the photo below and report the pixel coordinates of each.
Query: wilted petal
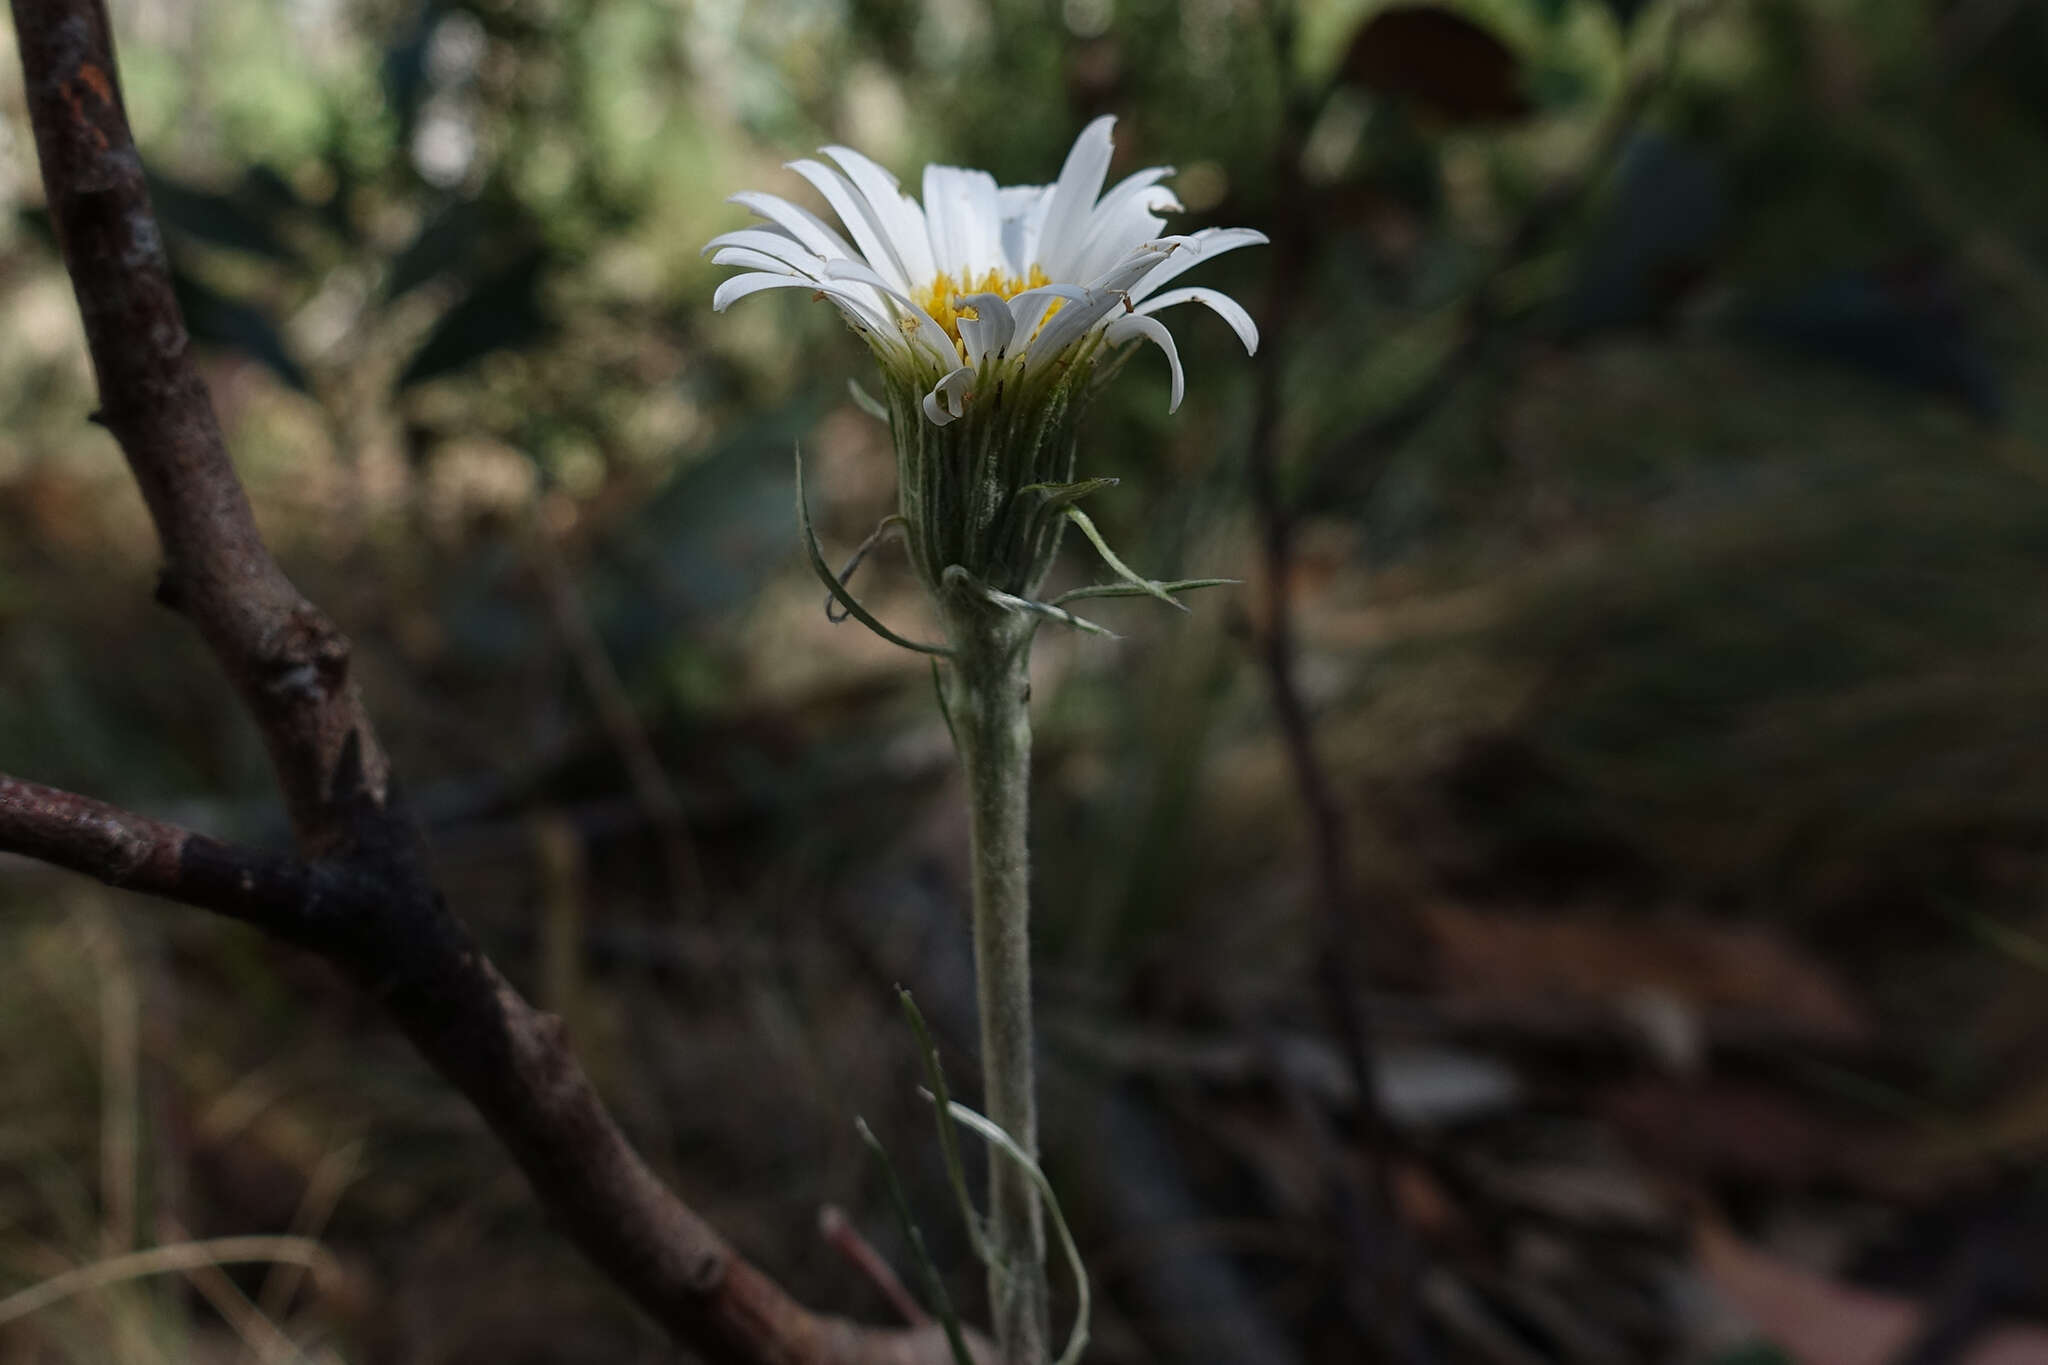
column 989, row 331
column 947, row 402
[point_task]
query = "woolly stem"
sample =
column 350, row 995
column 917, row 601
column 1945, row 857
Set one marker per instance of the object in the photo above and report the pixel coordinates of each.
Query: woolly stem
column 989, row 699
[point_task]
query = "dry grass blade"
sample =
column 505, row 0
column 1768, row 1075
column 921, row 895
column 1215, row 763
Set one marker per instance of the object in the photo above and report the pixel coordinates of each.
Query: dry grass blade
column 177, row 1258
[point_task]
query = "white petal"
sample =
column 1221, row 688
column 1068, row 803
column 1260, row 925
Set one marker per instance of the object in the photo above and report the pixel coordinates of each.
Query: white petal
column 896, row 211
column 800, row 223
column 966, row 226
column 1133, row 184
column 1152, row 329
column 948, row 399
column 848, row 297
column 761, row 260
column 780, row 245
column 990, row 330
column 925, row 326
column 1226, row 307
column 1109, row 291
column 1118, row 205
column 1021, row 210
column 1028, row 309
column 860, row 217
column 1117, row 228
column 1201, row 246
column 1073, row 196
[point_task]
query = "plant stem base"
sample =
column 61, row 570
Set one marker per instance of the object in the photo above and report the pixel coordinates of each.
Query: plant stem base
column 988, row 698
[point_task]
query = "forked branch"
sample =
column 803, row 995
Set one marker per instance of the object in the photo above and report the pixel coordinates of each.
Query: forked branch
column 358, row 893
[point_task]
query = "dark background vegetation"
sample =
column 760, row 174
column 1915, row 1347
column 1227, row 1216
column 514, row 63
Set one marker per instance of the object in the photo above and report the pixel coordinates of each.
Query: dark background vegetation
column 1669, row 608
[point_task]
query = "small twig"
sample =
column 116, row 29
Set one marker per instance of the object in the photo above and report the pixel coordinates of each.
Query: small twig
column 843, row 1237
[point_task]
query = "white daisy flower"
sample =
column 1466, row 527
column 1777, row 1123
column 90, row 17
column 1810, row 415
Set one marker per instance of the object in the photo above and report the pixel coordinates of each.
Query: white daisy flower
column 983, row 285
column 988, row 308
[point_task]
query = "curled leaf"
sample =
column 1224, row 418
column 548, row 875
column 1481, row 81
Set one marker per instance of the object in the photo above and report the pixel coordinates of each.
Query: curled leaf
column 832, row 584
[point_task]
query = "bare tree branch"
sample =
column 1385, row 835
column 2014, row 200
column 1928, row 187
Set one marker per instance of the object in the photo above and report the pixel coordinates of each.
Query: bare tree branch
column 360, row 895
column 285, row 658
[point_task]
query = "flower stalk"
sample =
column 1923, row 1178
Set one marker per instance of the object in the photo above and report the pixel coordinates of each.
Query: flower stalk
column 988, row 693
column 994, row 313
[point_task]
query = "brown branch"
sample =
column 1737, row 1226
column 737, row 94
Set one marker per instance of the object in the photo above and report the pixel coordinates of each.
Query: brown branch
column 359, row 896
column 285, row 658
column 509, row 1059
column 843, row 1237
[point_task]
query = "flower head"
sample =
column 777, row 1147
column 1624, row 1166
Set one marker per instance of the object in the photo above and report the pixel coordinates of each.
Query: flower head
column 987, row 308
column 984, row 285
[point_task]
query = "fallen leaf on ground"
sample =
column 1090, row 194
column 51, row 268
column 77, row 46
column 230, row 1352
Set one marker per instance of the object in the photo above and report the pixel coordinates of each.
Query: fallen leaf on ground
column 1734, row 972
column 1822, row 1321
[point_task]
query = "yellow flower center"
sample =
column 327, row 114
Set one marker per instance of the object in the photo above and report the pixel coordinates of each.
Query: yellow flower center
column 937, row 297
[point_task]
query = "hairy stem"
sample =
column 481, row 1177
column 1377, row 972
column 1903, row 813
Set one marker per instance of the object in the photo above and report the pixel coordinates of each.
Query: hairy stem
column 989, row 699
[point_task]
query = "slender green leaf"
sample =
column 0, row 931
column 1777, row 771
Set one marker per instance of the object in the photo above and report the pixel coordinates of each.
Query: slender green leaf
column 832, row 584
column 1117, row 566
column 942, row 1302
column 949, row 1147
column 1077, row 1340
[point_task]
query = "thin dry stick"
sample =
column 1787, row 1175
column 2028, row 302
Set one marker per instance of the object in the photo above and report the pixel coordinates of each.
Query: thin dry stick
column 359, row 895
column 120, row 1082
column 178, row 1258
column 843, row 1237
column 260, row 1335
column 323, row 1194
